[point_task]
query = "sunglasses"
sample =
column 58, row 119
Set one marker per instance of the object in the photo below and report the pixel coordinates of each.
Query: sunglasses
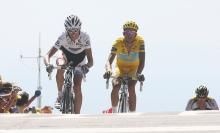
column 5, row 91
column 73, row 30
column 129, row 32
column 202, row 97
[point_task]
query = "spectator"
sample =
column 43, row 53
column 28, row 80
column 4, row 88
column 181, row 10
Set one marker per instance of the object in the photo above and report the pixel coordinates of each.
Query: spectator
column 202, row 101
column 24, row 102
column 5, row 96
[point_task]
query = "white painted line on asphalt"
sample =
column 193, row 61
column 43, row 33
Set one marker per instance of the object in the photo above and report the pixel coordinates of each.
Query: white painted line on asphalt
column 188, row 113
column 117, row 130
column 69, row 116
column 199, row 112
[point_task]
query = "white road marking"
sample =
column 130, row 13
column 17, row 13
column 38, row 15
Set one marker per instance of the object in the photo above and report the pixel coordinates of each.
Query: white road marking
column 118, row 130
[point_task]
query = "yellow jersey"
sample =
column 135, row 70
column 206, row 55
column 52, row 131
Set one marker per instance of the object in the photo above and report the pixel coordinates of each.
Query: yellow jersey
column 128, row 61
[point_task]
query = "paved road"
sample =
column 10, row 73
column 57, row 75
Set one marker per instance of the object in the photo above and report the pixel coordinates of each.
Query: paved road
column 175, row 122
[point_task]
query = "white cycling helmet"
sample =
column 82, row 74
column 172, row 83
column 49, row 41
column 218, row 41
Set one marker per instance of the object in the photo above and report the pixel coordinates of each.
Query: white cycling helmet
column 202, row 91
column 72, row 22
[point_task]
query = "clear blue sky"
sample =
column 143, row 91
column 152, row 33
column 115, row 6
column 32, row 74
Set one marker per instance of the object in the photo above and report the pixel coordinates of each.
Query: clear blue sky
column 182, row 46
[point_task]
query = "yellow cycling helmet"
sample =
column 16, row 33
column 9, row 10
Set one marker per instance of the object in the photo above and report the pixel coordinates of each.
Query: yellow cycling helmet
column 130, row 25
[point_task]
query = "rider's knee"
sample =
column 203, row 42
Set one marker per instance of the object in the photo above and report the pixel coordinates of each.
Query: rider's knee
column 116, row 83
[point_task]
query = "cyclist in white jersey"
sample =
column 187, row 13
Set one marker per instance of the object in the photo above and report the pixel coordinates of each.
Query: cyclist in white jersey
column 75, row 46
column 202, row 101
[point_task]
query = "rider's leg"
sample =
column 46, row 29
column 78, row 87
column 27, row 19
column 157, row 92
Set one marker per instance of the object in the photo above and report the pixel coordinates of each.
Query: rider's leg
column 60, row 80
column 78, row 93
column 132, row 95
column 114, row 95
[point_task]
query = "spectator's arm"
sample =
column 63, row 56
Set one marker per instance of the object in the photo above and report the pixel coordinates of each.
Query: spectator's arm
column 37, row 93
column 30, row 101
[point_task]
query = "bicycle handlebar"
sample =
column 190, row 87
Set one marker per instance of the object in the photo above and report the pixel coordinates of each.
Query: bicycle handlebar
column 123, row 78
column 64, row 67
column 57, row 67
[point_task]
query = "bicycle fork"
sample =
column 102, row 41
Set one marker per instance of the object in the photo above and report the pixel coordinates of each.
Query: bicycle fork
column 123, row 103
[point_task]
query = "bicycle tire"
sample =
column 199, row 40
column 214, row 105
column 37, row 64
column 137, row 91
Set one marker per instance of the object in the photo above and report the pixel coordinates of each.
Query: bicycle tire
column 125, row 104
column 63, row 106
column 72, row 105
column 65, row 102
column 122, row 104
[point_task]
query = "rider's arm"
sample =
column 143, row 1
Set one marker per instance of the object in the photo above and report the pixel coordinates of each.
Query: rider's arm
column 47, row 57
column 89, row 57
column 189, row 105
column 111, row 57
column 141, row 62
column 214, row 105
column 141, row 56
column 108, row 65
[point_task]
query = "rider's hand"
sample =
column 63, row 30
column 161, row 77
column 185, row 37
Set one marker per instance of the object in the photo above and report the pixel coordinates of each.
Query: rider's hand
column 85, row 69
column 49, row 68
column 140, row 77
column 37, row 93
column 107, row 75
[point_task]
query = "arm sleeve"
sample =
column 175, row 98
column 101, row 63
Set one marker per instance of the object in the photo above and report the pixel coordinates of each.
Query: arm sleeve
column 114, row 48
column 214, row 105
column 189, row 105
column 58, row 43
column 88, row 43
column 142, row 46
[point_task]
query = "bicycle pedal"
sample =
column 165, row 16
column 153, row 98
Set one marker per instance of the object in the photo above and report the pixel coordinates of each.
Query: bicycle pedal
column 57, row 106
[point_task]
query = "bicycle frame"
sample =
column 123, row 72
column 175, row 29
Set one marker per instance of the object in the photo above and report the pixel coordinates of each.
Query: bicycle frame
column 68, row 97
column 123, row 105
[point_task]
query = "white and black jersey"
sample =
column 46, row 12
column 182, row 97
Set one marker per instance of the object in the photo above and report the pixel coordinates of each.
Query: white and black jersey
column 74, row 51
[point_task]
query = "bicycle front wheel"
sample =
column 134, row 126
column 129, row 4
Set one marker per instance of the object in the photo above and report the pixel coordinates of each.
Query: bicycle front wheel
column 72, row 100
column 65, row 103
column 122, row 108
column 68, row 102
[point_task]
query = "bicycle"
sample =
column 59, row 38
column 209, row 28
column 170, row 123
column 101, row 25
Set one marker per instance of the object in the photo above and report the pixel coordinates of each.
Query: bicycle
column 68, row 95
column 123, row 106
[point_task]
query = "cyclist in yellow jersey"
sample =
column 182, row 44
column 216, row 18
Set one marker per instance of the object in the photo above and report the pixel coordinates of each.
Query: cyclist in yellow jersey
column 129, row 51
